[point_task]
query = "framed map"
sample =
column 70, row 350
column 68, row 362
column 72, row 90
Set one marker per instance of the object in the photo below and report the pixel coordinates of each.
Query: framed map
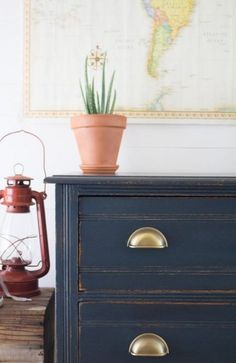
column 172, row 58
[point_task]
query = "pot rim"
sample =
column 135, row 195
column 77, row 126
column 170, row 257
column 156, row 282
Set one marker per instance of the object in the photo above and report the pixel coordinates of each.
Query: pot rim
column 98, row 120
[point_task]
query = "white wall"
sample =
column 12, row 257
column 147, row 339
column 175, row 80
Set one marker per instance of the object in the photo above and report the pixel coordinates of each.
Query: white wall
column 173, row 146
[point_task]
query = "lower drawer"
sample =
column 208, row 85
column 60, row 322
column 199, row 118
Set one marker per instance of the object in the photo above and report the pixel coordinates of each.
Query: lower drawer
column 186, row 344
column 180, row 333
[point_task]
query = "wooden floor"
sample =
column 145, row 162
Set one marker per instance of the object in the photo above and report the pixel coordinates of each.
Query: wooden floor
column 27, row 330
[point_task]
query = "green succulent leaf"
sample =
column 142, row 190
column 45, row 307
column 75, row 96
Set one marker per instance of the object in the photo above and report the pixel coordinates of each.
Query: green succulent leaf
column 103, row 87
column 88, row 97
column 98, row 103
column 113, row 103
column 94, row 108
column 109, row 93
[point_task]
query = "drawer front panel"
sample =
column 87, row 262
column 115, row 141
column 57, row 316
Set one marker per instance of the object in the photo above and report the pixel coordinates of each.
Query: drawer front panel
column 90, row 206
column 192, row 345
column 156, row 281
column 190, row 243
column 201, row 254
column 192, row 227
column 195, row 334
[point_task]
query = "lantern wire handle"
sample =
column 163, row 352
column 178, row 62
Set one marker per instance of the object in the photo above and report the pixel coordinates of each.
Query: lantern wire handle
column 41, row 142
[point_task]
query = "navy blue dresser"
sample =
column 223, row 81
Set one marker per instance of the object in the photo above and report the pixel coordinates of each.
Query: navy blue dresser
column 145, row 269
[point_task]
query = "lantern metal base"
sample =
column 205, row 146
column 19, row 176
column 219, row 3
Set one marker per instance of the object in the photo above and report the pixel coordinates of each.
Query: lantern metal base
column 22, row 289
column 19, row 281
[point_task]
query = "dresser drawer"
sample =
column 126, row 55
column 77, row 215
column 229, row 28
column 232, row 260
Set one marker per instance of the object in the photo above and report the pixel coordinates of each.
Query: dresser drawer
column 199, row 235
column 178, row 333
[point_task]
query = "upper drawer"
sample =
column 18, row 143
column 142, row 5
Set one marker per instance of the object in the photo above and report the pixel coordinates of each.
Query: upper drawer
column 200, row 234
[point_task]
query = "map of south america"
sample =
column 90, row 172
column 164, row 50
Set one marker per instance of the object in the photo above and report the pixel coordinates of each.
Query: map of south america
column 168, row 18
column 177, row 56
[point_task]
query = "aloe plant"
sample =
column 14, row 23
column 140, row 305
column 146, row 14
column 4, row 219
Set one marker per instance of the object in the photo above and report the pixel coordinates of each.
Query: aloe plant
column 95, row 102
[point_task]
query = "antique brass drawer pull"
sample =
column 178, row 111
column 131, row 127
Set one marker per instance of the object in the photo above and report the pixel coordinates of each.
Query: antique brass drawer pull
column 149, row 345
column 147, row 237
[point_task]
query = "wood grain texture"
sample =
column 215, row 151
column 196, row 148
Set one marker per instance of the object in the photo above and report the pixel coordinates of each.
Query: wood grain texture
column 26, row 330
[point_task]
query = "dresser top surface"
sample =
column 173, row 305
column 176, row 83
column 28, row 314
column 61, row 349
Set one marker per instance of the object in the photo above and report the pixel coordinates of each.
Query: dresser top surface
column 141, row 178
column 149, row 184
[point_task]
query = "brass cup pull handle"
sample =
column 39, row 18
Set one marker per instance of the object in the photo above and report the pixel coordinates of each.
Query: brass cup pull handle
column 148, row 345
column 147, row 237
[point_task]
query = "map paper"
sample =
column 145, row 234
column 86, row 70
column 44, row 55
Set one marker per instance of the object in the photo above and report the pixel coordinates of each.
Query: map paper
column 172, row 58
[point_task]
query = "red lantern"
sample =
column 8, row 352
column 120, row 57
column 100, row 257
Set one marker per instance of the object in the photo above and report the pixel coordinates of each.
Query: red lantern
column 16, row 237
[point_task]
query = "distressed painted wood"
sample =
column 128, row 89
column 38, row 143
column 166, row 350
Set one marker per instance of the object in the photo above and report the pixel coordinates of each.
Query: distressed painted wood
column 27, row 330
column 192, row 344
column 106, row 293
column 194, row 332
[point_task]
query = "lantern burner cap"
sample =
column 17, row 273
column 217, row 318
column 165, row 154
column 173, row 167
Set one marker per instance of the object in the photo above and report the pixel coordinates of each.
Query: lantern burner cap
column 18, row 179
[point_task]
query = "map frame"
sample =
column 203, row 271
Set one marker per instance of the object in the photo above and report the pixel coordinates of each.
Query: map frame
column 28, row 111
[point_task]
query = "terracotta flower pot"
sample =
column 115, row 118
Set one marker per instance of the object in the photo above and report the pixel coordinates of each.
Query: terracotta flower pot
column 98, row 138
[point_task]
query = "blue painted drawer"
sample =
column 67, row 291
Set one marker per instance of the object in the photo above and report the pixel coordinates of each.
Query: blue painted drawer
column 201, row 236
column 193, row 333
